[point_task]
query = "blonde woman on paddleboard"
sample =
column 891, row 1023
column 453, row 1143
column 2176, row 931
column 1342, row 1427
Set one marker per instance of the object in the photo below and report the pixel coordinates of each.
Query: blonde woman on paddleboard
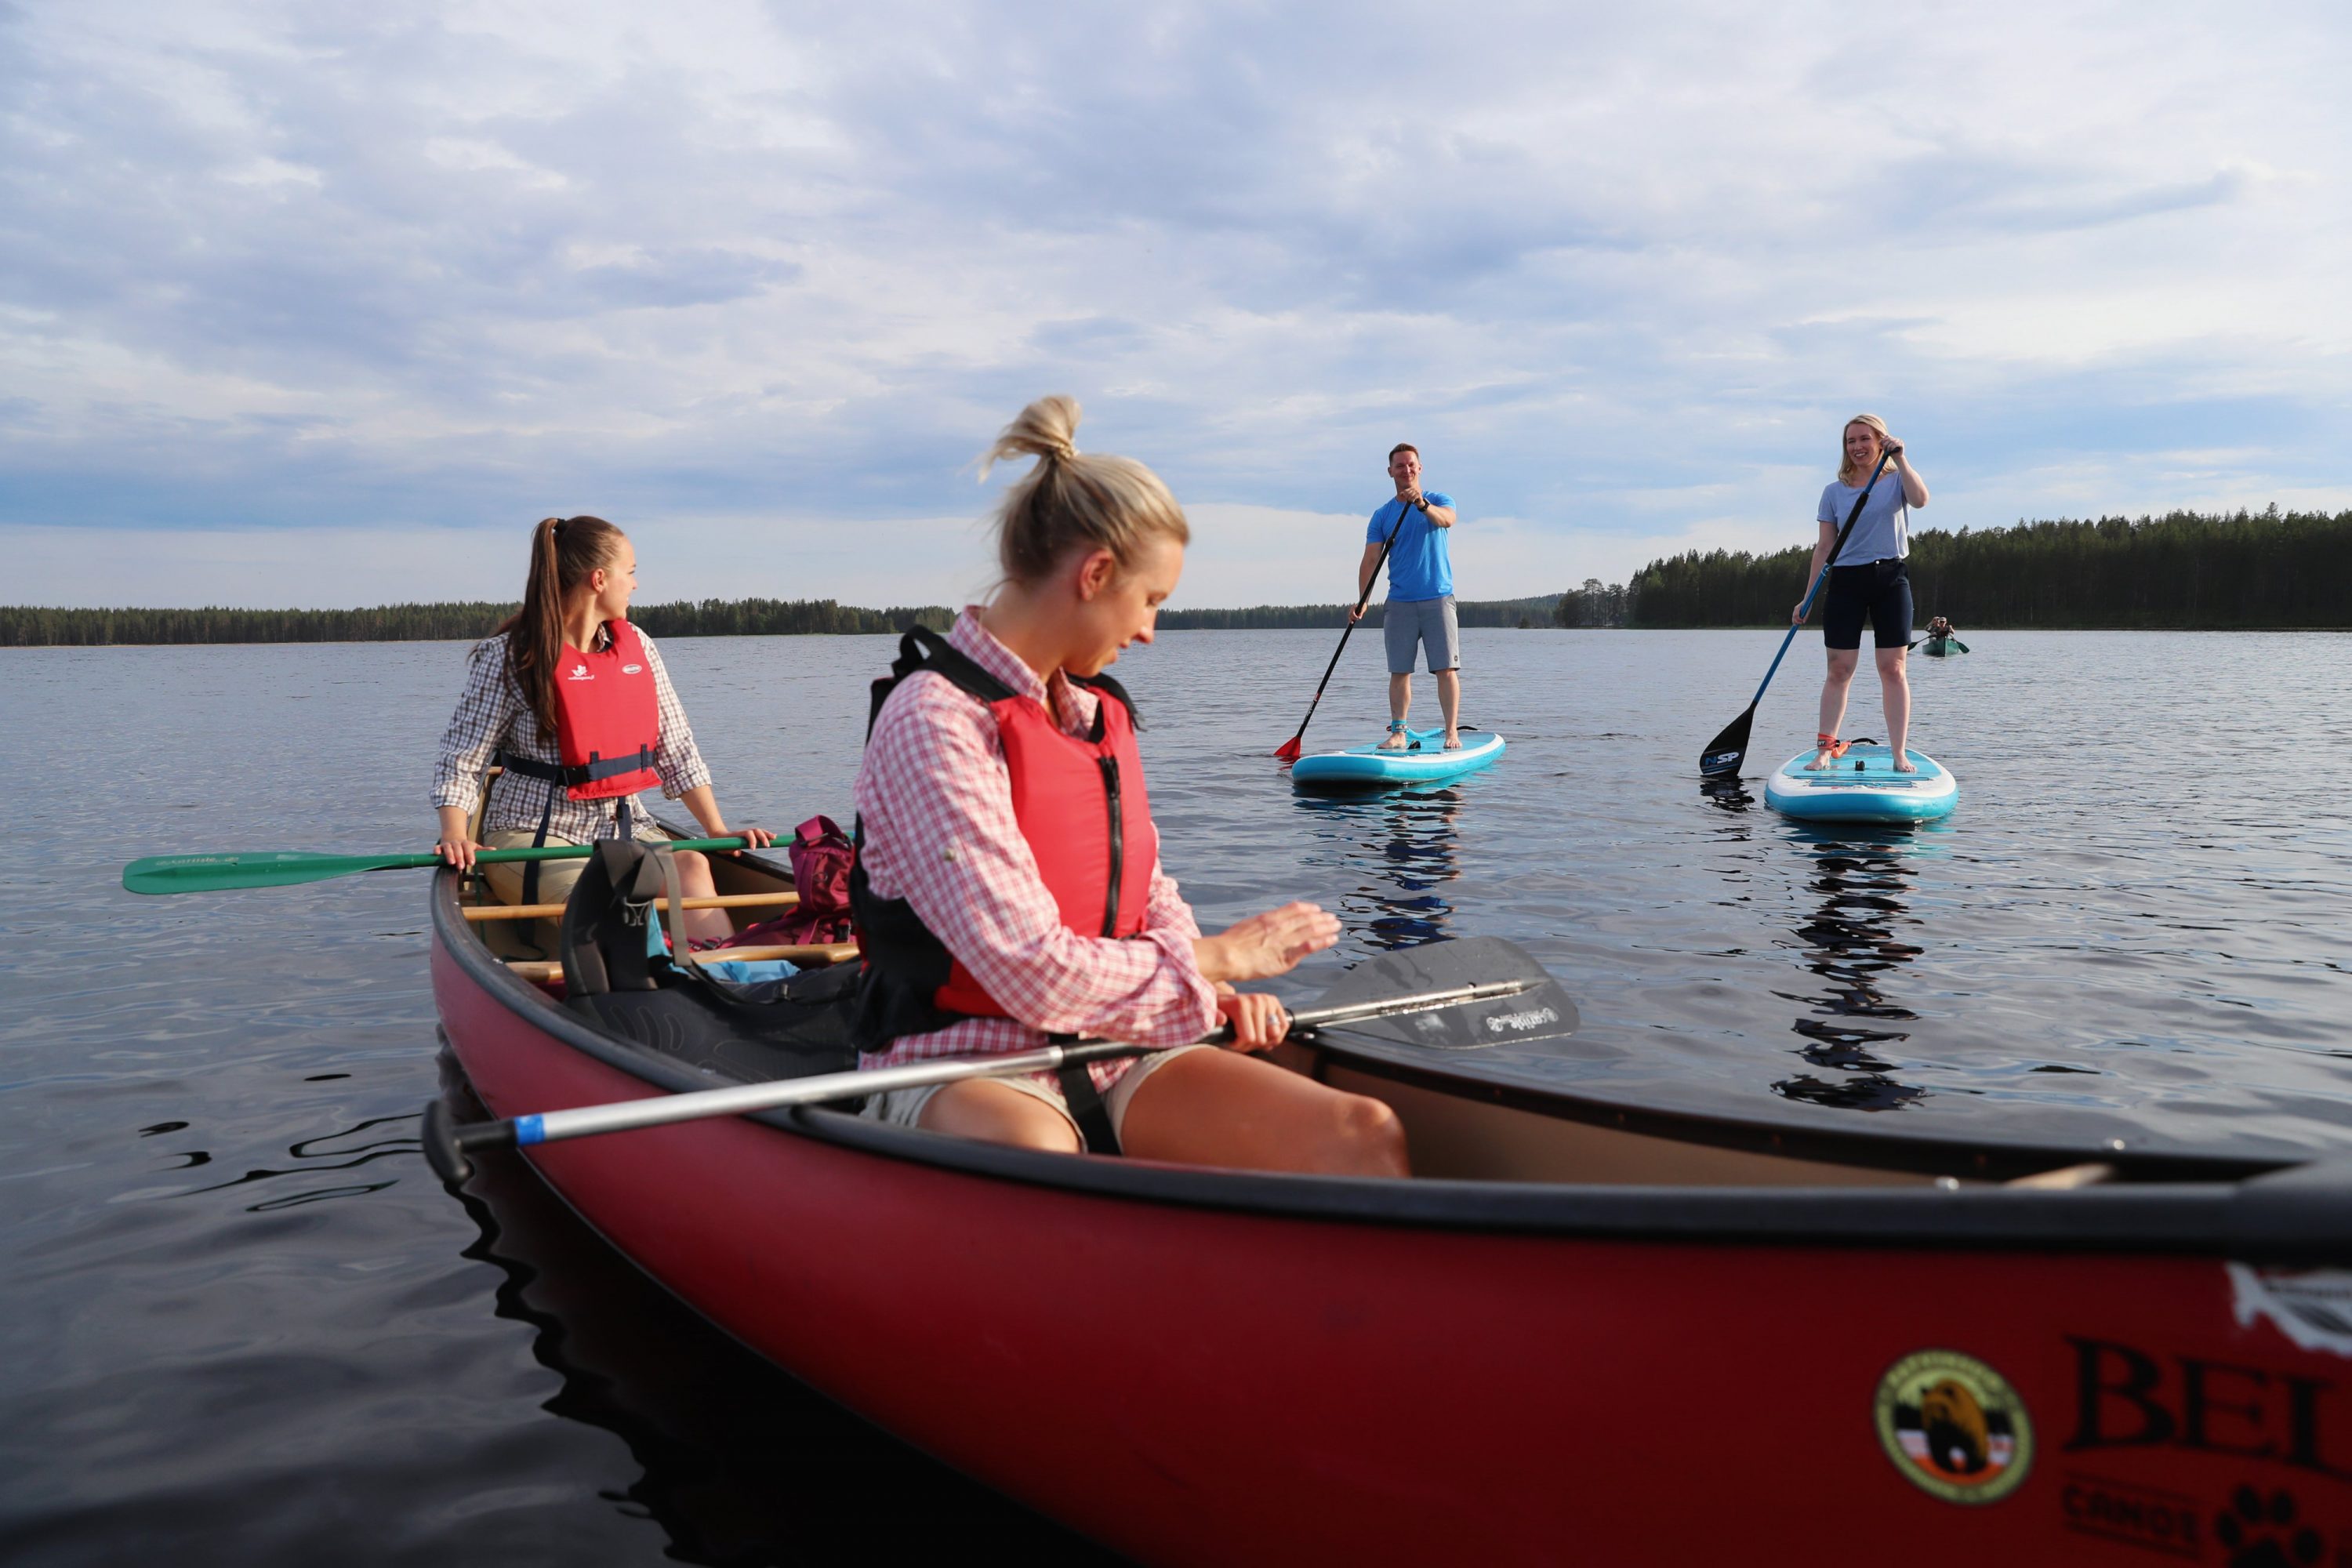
column 1869, row 581
column 577, row 703
column 1009, row 887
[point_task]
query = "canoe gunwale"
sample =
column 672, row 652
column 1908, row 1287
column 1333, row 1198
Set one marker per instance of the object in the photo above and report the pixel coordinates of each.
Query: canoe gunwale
column 2298, row 1215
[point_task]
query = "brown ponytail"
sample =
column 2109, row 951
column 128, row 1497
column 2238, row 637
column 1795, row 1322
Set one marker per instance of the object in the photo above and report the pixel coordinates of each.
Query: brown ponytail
column 1069, row 499
column 564, row 551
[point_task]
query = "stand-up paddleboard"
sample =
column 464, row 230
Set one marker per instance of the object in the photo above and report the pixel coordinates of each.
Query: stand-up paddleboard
column 1862, row 786
column 1424, row 761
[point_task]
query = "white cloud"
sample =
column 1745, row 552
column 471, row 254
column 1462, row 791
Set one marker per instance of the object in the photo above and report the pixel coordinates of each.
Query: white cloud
column 266, row 269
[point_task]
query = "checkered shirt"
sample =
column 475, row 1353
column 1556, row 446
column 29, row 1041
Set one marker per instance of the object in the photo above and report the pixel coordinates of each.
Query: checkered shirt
column 492, row 716
column 937, row 800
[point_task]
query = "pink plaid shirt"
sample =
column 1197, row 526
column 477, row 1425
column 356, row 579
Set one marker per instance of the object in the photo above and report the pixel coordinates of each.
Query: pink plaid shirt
column 940, row 834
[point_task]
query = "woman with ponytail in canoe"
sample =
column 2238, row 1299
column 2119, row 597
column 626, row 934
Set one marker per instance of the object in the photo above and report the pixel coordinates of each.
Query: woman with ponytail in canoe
column 1009, row 886
column 574, row 700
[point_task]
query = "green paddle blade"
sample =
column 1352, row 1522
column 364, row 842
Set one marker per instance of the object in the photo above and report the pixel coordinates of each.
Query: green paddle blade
column 284, row 868
column 214, row 873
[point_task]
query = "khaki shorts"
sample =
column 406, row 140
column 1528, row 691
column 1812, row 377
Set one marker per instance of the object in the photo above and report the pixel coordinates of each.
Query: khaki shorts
column 555, row 877
column 904, row 1106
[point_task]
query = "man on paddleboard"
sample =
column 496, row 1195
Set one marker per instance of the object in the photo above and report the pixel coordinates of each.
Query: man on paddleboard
column 1420, row 609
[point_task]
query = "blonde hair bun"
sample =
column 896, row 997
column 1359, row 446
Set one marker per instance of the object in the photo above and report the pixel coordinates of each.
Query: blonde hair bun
column 1070, row 500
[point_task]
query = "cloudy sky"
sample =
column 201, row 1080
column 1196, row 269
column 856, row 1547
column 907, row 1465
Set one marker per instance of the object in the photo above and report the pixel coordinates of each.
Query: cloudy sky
column 323, row 305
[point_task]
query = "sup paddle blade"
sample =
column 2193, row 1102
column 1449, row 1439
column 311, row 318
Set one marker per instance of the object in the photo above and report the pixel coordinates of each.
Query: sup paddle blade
column 1531, row 1005
column 1288, row 750
column 1723, row 755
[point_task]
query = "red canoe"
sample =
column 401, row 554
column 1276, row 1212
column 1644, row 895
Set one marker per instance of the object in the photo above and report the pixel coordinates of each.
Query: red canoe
column 1586, row 1334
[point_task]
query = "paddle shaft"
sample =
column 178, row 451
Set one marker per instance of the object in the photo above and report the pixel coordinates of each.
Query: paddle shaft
column 445, row 1145
column 1819, row 578
column 1361, row 600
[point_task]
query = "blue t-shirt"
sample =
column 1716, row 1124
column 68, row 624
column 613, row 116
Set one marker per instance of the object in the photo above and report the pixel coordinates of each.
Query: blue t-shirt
column 1418, row 566
column 1882, row 531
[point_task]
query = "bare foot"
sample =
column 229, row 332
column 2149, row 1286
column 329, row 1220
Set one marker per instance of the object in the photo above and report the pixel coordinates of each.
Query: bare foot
column 1821, row 760
column 1903, row 764
column 1398, row 739
column 1453, row 741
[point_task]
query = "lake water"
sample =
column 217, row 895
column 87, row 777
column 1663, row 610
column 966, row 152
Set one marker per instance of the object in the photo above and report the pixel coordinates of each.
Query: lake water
column 241, row 1322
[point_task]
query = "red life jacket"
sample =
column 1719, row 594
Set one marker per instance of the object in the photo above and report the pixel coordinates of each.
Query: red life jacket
column 1082, row 806
column 607, row 717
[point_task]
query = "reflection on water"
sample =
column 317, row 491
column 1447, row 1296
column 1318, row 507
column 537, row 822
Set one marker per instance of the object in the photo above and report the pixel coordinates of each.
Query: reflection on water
column 1403, row 842
column 1852, row 941
column 1727, row 795
column 738, row 1462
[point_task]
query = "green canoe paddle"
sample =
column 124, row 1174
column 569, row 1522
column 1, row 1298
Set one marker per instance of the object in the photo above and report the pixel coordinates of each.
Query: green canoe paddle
column 284, row 868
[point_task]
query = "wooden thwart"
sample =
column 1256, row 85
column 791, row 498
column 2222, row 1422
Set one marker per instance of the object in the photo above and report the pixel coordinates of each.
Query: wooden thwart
column 541, row 970
column 555, row 911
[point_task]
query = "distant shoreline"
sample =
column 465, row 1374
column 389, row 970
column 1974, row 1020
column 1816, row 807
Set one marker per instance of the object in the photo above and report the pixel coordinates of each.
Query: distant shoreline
column 26, row 625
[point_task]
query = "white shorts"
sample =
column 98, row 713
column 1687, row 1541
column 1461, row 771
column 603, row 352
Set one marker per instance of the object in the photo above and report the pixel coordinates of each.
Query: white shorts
column 904, row 1106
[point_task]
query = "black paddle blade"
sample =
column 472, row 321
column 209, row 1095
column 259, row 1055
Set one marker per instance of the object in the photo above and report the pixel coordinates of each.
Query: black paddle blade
column 1542, row 1011
column 1723, row 755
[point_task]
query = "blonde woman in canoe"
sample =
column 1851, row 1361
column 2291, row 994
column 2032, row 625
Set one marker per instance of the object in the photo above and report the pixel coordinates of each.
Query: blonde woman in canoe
column 1008, row 886
column 1869, row 581
column 576, row 700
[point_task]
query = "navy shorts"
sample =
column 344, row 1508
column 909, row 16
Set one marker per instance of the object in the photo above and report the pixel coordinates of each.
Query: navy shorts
column 1879, row 591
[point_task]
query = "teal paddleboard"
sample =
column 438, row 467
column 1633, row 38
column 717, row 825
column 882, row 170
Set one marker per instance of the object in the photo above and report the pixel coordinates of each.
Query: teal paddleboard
column 1862, row 786
column 1424, row 761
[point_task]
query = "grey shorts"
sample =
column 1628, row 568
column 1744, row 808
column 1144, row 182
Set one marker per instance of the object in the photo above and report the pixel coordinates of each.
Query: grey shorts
column 1428, row 622
column 904, row 1106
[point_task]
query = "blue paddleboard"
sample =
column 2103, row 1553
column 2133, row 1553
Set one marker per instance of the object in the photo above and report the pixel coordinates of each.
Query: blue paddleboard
column 1427, row 761
column 1862, row 786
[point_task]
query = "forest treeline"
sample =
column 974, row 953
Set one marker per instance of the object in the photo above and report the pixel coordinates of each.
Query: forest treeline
column 2184, row 569
column 1597, row 604
column 34, row 626
column 1536, row 611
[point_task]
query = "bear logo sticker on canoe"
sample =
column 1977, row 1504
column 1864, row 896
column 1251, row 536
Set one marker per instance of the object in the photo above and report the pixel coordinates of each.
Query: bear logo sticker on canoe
column 1954, row 1426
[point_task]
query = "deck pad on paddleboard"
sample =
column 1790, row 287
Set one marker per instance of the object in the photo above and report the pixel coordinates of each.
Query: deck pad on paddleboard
column 1862, row 786
column 1425, row 762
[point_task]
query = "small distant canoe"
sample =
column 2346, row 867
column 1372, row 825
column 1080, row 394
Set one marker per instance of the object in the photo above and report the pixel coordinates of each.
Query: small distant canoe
column 1862, row 786
column 1425, row 761
column 1943, row 648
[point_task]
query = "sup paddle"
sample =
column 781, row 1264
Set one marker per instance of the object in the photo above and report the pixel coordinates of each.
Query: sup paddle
column 1519, row 1003
column 1288, row 750
column 284, row 868
column 1724, row 755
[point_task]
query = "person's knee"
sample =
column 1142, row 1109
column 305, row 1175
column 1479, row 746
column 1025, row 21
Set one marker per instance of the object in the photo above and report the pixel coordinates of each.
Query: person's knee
column 1369, row 1138
column 694, row 872
column 1009, row 1117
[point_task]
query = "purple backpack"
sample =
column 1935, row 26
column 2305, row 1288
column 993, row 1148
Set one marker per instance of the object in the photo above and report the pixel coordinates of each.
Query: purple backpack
column 821, row 854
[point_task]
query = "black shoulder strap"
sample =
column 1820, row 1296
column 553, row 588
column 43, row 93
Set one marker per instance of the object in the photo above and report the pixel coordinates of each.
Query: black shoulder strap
column 919, row 648
column 1107, row 686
